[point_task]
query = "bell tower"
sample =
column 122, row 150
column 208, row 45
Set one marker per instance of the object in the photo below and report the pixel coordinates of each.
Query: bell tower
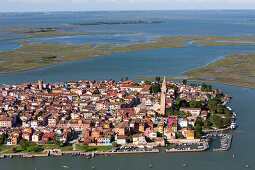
column 163, row 98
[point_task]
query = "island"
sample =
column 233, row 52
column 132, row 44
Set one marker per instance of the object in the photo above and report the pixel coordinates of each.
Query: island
column 111, row 117
column 234, row 69
column 33, row 53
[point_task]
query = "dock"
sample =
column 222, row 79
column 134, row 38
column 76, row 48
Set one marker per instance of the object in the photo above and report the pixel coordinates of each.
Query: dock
column 205, row 147
column 128, row 152
column 228, row 145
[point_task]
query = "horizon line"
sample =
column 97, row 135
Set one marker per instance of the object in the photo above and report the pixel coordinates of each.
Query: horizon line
column 216, row 9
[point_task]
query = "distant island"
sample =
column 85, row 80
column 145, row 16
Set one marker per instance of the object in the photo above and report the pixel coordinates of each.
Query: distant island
column 117, row 23
column 249, row 20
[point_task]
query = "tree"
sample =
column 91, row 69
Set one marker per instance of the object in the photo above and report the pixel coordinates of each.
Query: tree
column 211, row 105
column 209, row 97
column 227, row 119
column 114, row 144
column 198, row 131
column 219, row 96
column 218, row 121
column 3, row 139
column 219, row 108
column 199, row 122
column 155, row 88
column 157, row 79
column 121, row 79
column 147, row 82
column 85, row 146
column 196, row 104
column 135, row 84
column 14, row 149
column 173, row 87
column 206, row 87
column 179, row 136
column 183, row 103
column 34, row 147
column 126, row 78
column 207, row 123
column 24, row 144
column 184, row 81
column 121, row 100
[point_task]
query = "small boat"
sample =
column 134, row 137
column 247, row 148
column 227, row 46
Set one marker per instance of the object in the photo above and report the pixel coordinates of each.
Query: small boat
column 233, row 156
column 246, row 166
column 150, row 166
column 88, row 156
column 28, row 156
column 65, row 166
column 93, row 167
column 184, row 165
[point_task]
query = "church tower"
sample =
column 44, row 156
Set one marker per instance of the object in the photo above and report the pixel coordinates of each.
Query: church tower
column 163, row 98
column 40, row 84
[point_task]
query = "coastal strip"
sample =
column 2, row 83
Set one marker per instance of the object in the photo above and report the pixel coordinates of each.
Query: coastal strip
column 76, row 153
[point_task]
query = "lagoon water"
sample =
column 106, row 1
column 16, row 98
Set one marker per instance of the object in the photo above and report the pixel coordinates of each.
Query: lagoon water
column 161, row 62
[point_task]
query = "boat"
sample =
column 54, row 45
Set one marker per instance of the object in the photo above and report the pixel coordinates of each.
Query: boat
column 65, row 166
column 28, row 156
column 233, row 156
column 184, row 165
column 150, row 166
column 233, row 125
column 246, row 166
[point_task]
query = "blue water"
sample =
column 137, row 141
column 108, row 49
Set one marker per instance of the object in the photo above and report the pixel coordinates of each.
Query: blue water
column 161, row 62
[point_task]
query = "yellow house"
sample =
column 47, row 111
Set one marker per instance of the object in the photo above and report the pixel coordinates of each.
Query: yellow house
column 160, row 127
column 191, row 135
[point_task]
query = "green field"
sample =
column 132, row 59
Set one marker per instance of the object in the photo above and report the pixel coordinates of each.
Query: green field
column 93, row 148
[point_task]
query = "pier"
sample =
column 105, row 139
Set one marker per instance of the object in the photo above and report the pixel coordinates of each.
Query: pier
column 229, row 140
column 203, row 148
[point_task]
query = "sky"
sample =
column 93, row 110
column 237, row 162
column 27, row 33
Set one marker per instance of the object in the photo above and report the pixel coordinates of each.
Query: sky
column 104, row 5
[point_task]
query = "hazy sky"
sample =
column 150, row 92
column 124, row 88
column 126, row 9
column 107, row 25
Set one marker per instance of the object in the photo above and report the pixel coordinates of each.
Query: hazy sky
column 95, row 5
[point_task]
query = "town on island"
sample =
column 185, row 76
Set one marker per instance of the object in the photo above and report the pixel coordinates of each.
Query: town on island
column 112, row 117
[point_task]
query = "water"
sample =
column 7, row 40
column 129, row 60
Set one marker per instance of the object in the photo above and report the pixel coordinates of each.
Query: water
column 168, row 62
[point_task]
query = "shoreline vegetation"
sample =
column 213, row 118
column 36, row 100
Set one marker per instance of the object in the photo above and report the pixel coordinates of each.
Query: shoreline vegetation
column 234, row 69
column 35, row 55
column 45, row 148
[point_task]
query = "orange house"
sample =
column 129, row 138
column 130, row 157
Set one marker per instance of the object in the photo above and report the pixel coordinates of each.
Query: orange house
column 95, row 134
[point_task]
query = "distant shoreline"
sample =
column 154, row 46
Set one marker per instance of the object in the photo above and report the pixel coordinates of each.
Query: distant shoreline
column 119, row 23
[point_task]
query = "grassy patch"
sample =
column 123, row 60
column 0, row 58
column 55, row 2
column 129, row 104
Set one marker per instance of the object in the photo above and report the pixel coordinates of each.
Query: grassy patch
column 93, row 148
column 54, row 146
column 225, row 41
